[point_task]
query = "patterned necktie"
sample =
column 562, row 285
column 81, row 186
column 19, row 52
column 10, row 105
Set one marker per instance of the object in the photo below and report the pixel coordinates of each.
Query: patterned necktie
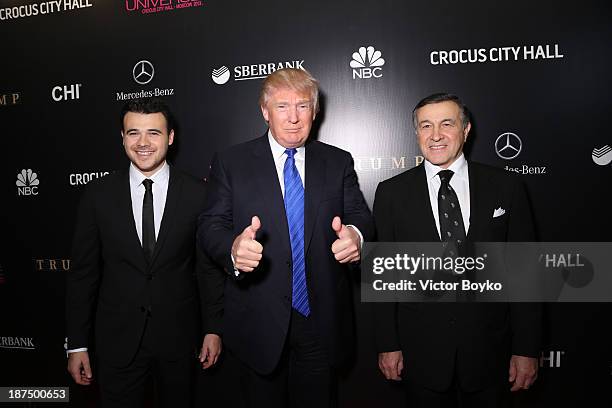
column 294, row 209
column 148, row 224
column 449, row 211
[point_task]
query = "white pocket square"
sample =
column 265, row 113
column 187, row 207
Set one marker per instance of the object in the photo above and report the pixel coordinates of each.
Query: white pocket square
column 498, row 212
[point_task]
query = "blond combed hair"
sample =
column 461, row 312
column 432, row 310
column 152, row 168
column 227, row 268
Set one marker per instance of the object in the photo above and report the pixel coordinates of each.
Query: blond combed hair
column 298, row 80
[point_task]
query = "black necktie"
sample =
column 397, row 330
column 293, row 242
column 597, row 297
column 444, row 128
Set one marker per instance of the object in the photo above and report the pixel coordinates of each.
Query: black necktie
column 451, row 220
column 148, row 224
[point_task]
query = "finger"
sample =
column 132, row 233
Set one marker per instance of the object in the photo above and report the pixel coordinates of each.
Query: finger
column 255, row 247
column 203, row 354
column 87, row 369
column 255, row 223
column 400, row 367
column 512, row 373
column 340, row 244
column 242, row 262
column 347, row 255
column 519, row 383
column 336, row 224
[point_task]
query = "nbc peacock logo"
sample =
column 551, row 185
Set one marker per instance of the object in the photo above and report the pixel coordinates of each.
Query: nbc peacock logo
column 602, row 156
column 221, row 75
column 27, row 183
column 367, row 63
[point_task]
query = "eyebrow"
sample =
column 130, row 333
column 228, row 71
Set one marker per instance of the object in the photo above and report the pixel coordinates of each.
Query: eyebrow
column 137, row 130
column 443, row 120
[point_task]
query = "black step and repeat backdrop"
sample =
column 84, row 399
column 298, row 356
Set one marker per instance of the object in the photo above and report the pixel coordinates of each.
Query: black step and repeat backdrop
column 535, row 74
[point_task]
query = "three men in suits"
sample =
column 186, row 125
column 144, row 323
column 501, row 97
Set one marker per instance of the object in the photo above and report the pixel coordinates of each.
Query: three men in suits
column 452, row 352
column 285, row 216
column 138, row 274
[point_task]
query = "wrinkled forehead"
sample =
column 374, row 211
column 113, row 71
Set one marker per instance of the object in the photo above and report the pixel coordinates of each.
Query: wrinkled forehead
column 289, row 93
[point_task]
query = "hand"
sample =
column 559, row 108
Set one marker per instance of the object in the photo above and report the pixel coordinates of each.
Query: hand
column 391, row 365
column 246, row 250
column 79, row 367
column 211, row 349
column 523, row 372
column 346, row 247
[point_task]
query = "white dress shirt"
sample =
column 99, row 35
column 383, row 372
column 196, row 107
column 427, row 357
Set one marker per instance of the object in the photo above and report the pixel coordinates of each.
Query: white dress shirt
column 137, row 192
column 278, row 153
column 460, row 182
column 160, row 191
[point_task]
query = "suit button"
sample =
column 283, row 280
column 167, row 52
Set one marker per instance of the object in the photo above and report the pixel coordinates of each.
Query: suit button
column 452, row 320
column 289, row 264
column 149, row 277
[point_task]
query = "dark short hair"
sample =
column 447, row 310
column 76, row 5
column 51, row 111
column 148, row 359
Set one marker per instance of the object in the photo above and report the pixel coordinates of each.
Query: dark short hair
column 148, row 105
column 442, row 97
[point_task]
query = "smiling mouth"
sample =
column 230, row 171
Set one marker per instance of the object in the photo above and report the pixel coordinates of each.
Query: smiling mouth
column 437, row 147
column 144, row 153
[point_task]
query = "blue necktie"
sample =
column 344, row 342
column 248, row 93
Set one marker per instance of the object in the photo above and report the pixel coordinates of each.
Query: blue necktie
column 294, row 208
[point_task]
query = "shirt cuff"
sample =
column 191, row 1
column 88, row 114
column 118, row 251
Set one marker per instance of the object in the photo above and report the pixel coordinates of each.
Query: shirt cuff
column 75, row 350
column 236, row 271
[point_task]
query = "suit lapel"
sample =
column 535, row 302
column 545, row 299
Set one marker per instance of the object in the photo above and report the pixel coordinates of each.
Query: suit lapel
column 126, row 222
column 481, row 194
column 315, row 176
column 421, row 195
column 269, row 188
column 172, row 200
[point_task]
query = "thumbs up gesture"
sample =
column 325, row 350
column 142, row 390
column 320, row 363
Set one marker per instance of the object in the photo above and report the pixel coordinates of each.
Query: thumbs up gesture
column 246, row 251
column 346, row 247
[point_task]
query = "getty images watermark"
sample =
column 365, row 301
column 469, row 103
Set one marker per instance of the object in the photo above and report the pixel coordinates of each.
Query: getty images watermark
column 487, row 272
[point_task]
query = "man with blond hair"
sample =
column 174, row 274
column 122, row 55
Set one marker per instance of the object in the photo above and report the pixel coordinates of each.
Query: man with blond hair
column 285, row 217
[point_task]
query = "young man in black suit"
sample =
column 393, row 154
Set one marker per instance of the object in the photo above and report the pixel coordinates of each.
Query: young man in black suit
column 138, row 274
column 474, row 353
column 284, row 216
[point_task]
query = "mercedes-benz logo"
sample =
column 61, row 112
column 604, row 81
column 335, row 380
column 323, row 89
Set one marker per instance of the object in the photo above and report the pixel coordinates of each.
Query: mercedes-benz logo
column 508, row 145
column 143, row 72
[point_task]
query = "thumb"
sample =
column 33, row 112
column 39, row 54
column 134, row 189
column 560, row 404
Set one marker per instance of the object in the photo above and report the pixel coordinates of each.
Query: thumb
column 255, row 223
column 87, row 368
column 252, row 229
column 512, row 372
column 337, row 225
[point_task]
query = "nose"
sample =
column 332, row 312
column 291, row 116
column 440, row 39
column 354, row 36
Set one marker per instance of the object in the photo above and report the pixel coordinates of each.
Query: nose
column 143, row 140
column 435, row 134
column 292, row 114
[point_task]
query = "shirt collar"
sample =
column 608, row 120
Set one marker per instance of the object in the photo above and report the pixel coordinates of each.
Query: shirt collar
column 278, row 150
column 459, row 168
column 161, row 176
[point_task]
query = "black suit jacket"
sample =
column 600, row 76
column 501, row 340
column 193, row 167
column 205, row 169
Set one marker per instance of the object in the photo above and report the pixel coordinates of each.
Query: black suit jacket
column 112, row 281
column 244, row 183
column 473, row 341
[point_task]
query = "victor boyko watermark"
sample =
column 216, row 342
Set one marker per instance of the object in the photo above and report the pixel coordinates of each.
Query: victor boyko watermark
column 487, row 272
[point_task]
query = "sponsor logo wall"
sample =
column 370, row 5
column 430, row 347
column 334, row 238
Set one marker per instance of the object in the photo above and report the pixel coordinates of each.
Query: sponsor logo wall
column 530, row 82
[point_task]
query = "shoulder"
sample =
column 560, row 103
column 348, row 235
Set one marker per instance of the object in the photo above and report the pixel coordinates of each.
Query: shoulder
column 107, row 184
column 495, row 174
column 324, row 149
column 413, row 175
column 186, row 178
column 242, row 149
